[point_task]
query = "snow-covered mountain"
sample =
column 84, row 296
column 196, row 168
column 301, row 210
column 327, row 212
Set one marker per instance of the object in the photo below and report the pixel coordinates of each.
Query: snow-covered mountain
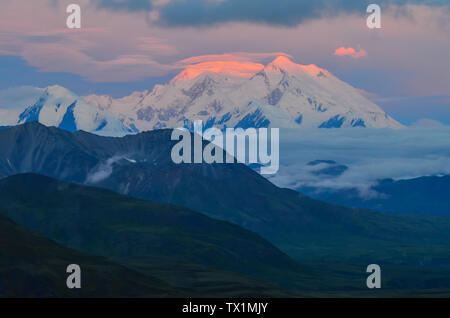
column 280, row 94
column 56, row 106
column 230, row 94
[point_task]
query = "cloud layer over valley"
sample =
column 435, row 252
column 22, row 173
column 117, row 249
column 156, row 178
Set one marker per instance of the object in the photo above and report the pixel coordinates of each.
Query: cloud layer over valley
column 369, row 154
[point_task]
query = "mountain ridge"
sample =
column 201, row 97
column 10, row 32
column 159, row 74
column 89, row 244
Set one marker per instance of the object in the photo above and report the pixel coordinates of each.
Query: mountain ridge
column 291, row 221
column 281, row 94
column 34, row 266
column 101, row 222
column 59, row 107
column 311, row 232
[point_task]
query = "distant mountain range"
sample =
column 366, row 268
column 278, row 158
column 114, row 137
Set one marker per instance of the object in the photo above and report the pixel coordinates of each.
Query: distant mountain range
column 233, row 192
column 425, row 195
column 282, row 94
column 57, row 106
column 331, row 244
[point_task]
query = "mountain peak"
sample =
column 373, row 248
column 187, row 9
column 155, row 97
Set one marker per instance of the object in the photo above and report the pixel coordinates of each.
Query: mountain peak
column 243, row 70
column 284, row 63
column 57, row 90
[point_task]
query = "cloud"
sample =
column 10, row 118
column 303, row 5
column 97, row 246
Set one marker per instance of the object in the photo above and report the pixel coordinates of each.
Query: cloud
column 129, row 5
column 369, row 154
column 235, row 57
column 155, row 45
column 104, row 170
column 120, row 45
column 58, row 57
column 231, row 68
column 343, row 51
column 281, row 12
column 26, row 94
column 238, row 64
column 106, row 49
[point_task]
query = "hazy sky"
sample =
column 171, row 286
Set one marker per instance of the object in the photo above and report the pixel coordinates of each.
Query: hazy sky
column 127, row 45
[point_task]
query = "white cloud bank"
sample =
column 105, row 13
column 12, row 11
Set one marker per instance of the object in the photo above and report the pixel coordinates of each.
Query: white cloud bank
column 370, row 154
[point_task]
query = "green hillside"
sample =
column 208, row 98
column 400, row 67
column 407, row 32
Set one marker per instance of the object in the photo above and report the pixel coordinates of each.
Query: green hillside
column 101, row 222
column 33, row 266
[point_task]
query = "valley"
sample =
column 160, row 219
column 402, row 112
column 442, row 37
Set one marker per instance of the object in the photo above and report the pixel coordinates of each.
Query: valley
column 273, row 235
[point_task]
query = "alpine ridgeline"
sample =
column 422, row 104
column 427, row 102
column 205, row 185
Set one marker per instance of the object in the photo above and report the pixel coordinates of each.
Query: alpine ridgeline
column 282, row 94
column 59, row 107
column 225, row 94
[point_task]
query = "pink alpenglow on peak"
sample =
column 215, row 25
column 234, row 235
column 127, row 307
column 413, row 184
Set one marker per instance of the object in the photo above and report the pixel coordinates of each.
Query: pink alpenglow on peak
column 229, row 68
column 243, row 69
column 222, row 94
column 226, row 93
column 285, row 64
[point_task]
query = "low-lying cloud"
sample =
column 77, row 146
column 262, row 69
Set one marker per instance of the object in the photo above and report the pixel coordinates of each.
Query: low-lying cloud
column 369, row 154
column 104, row 170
